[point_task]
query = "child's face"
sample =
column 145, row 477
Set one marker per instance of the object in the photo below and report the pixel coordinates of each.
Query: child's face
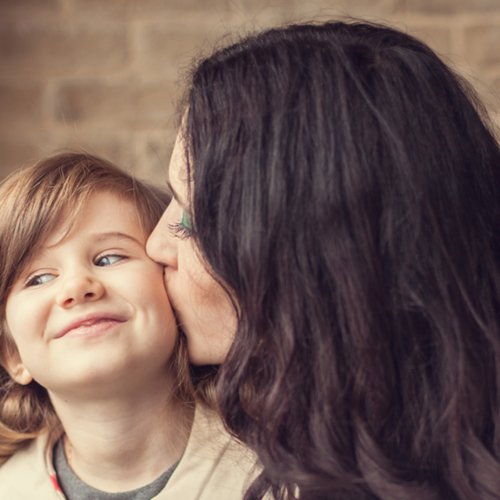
column 91, row 308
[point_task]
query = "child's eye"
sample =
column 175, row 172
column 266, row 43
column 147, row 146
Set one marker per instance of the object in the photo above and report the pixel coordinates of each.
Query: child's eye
column 184, row 228
column 107, row 260
column 39, row 279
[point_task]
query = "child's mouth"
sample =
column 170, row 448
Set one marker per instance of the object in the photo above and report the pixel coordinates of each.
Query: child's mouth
column 91, row 324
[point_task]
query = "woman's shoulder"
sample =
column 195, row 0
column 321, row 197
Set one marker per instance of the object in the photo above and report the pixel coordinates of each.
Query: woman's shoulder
column 25, row 475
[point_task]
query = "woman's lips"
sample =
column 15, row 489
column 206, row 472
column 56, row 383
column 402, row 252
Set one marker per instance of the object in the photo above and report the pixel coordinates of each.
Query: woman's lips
column 91, row 325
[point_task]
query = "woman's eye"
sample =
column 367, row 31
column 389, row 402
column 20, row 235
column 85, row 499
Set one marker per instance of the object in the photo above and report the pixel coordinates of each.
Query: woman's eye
column 107, row 260
column 184, row 228
column 39, row 279
column 186, row 222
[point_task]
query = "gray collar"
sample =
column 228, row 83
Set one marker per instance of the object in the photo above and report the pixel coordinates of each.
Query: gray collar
column 75, row 489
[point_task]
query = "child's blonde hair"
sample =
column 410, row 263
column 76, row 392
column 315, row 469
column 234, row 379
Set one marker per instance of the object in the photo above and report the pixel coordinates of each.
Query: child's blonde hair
column 32, row 202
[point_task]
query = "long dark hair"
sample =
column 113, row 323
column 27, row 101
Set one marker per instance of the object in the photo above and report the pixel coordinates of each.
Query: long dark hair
column 347, row 194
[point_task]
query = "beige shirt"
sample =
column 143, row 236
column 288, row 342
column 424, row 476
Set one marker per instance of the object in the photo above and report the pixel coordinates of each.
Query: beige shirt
column 214, row 467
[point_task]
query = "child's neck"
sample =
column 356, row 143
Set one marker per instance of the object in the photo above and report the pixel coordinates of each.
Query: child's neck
column 124, row 441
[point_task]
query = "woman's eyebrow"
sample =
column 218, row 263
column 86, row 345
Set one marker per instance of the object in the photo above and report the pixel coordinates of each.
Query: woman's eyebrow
column 175, row 195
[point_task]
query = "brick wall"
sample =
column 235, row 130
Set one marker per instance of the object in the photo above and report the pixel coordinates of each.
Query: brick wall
column 103, row 74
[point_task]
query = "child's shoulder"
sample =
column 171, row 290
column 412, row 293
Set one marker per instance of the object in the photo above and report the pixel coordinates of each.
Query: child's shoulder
column 214, row 464
column 210, row 437
column 25, row 474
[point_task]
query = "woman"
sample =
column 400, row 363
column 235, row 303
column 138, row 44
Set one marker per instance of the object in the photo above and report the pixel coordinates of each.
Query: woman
column 334, row 241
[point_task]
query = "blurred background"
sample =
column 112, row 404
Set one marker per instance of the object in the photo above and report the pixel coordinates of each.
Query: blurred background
column 105, row 75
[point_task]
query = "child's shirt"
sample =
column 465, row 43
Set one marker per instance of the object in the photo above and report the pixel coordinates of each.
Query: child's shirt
column 214, row 465
column 75, row 489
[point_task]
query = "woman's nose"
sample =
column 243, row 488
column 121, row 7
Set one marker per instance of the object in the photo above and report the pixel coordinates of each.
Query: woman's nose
column 161, row 245
column 79, row 289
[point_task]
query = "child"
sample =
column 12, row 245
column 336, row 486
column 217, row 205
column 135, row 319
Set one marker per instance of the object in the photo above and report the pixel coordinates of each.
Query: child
column 94, row 397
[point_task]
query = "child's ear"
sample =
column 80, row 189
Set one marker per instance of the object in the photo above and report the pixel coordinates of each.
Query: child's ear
column 16, row 369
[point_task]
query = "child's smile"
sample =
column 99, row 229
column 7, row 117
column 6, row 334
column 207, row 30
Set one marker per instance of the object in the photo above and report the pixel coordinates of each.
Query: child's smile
column 91, row 307
column 92, row 324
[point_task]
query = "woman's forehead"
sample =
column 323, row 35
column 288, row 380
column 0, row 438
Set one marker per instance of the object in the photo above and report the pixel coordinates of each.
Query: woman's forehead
column 177, row 171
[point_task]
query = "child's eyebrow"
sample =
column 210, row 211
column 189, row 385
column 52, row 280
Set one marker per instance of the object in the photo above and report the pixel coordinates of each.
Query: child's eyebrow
column 98, row 238
column 116, row 235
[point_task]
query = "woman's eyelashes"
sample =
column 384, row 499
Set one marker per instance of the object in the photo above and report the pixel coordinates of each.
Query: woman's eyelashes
column 183, row 228
column 186, row 222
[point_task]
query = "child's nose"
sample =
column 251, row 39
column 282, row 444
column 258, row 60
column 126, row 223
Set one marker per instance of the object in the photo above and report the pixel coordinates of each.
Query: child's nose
column 79, row 289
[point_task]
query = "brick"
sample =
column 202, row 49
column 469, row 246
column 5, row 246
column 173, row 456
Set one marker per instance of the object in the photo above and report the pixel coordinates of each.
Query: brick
column 23, row 7
column 495, row 88
column 95, row 102
column 146, row 155
column 490, row 94
column 155, row 104
column 127, row 7
column 482, row 44
column 258, row 6
column 299, row 10
column 163, row 47
column 446, row 6
column 21, row 105
column 23, row 149
column 17, row 150
column 116, row 147
column 438, row 39
column 123, row 105
column 52, row 49
column 153, row 156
